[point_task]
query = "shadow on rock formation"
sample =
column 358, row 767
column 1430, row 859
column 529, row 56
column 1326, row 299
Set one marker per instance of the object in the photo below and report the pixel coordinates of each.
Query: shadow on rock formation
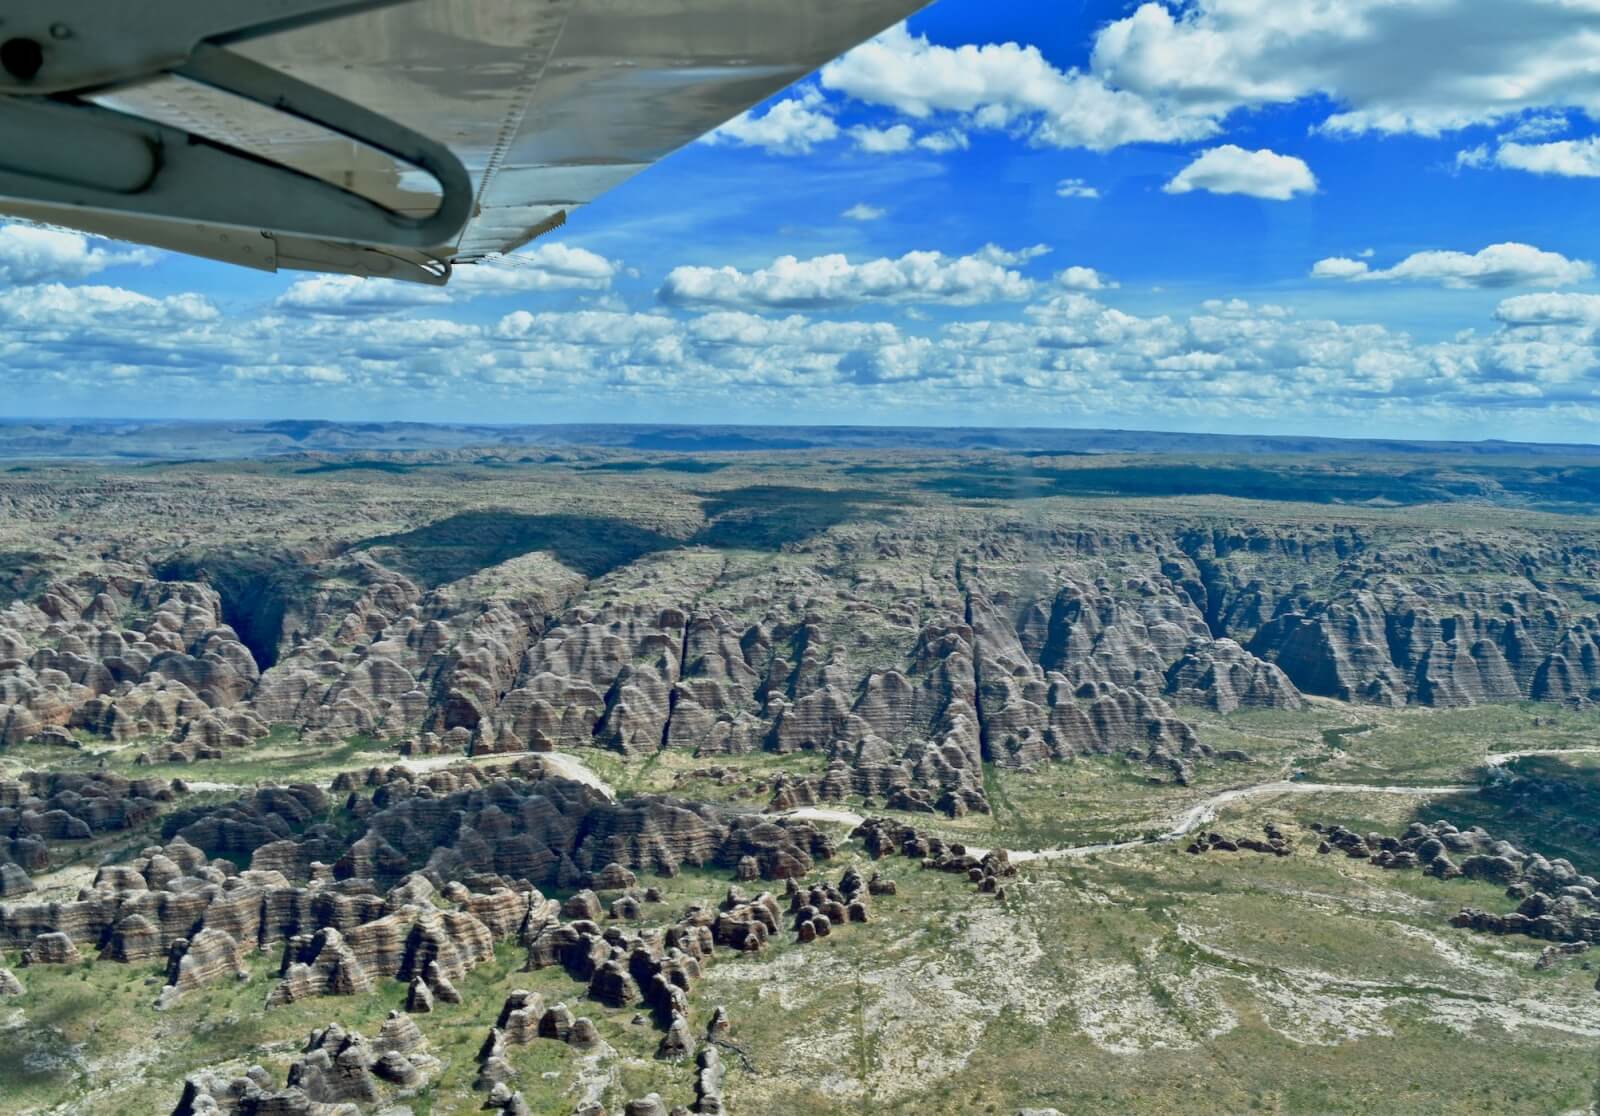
column 463, row 544
column 768, row 517
column 756, row 518
column 1546, row 804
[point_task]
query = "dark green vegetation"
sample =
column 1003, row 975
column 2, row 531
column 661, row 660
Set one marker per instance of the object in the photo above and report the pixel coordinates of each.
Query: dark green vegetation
column 670, row 465
column 759, row 517
column 769, row 517
column 1550, row 803
column 463, row 544
column 1342, row 481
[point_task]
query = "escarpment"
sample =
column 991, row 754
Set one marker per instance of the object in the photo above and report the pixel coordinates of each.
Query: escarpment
column 1024, row 643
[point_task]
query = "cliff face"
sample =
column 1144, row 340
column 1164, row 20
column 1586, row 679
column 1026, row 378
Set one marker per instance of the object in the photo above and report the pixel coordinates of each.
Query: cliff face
column 910, row 651
column 1396, row 642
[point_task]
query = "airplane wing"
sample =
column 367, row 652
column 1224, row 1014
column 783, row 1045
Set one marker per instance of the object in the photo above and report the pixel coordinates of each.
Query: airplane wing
column 375, row 137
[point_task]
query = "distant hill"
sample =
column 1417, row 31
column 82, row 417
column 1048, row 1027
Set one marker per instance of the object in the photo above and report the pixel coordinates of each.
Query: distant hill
column 168, row 439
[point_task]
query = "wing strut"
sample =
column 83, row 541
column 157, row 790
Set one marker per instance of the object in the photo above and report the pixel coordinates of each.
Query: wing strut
column 57, row 150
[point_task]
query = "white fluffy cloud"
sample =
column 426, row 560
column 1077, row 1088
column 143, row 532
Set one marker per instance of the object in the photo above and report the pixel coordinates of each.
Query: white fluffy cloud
column 1004, row 86
column 1174, row 70
column 545, row 266
column 1424, row 66
column 988, row 275
column 861, row 211
column 1067, row 354
column 351, row 294
column 54, row 304
column 882, row 141
column 1499, row 265
column 790, row 127
column 1567, row 158
column 37, row 254
column 1549, row 309
column 946, row 140
column 1539, row 126
column 898, row 138
column 1231, row 169
column 1340, row 267
column 1578, row 158
column 1075, row 188
column 1083, row 279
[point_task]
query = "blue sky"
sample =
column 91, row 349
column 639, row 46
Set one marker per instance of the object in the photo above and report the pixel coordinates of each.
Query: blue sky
column 1228, row 215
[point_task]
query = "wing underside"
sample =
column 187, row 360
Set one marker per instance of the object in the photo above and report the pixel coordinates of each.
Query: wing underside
column 545, row 103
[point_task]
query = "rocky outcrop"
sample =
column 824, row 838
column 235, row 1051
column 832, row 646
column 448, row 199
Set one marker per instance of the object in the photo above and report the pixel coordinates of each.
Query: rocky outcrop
column 439, row 946
column 119, row 657
column 1396, row 642
column 603, row 679
column 818, row 909
column 1557, row 902
column 14, row 881
column 52, row 948
column 883, row 837
column 210, row 956
column 342, row 1067
column 1224, row 676
column 38, row 809
column 239, row 828
column 134, row 938
column 708, row 1082
column 1275, row 844
column 511, row 825
column 319, row 964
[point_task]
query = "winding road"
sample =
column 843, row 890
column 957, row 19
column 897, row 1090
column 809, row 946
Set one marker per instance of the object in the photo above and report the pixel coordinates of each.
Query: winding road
column 563, row 765
column 1205, row 811
column 568, row 766
column 1500, row 759
column 1185, row 823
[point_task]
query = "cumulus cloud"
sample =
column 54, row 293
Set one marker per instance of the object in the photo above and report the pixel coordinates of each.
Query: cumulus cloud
column 882, row 141
column 1083, row 279
column 585, row 327
column 1499, row 265
column 1566, row 158
column 1339, row 267
column 1230, row 169
column 1005, row 86
column 988, row 275
column 1075, row 188
column 944, row 141
column 1175, row 70
column 791, row 127
column 861, row 211
column 898, row 138
column 55, row 304
column 1011, row 257
column 1464, row 61
column 1549, row 309
column 546, row 266
column 1066, row 353
column 351, row 294
column 38, row 254
column 1560, row 158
